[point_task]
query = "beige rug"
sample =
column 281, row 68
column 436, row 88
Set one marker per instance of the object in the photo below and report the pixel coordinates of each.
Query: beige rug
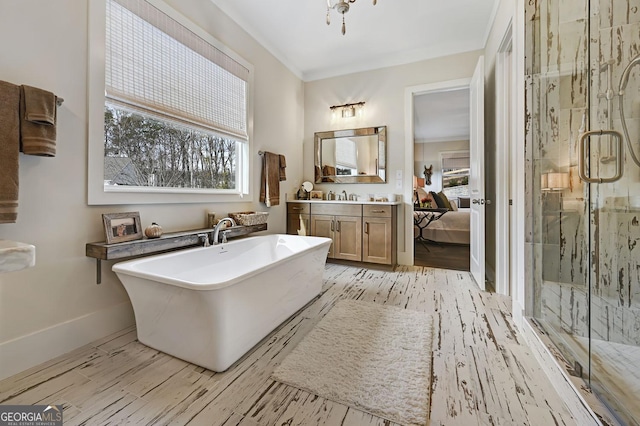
column 371, row 357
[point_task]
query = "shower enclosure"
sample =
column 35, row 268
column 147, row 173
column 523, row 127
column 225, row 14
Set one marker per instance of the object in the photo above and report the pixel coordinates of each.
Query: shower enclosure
column 582, row 143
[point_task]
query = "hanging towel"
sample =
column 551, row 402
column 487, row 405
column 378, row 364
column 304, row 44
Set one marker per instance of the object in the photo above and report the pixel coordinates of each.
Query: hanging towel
column 270, row 183
column 9, row 150
column 283, row 166
column 37, row 122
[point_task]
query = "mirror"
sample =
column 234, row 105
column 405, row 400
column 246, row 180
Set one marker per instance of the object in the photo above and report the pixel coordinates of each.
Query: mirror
column 351, row 156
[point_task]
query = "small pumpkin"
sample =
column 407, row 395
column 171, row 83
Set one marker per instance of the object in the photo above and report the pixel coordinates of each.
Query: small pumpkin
column 153, row 231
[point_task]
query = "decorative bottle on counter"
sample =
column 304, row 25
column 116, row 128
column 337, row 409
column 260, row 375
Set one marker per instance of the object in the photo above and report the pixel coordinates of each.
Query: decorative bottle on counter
column 302, row 194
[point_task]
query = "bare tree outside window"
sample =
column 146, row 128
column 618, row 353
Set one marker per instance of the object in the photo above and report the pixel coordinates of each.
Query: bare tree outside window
column 140, row 150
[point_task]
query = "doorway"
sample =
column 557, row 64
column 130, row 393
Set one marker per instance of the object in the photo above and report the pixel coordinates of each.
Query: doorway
column 438, row 144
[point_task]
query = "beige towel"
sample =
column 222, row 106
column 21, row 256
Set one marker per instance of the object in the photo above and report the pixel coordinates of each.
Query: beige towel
column 283, row 166
column 37, row 122
column 270, row 182
column 9, row 149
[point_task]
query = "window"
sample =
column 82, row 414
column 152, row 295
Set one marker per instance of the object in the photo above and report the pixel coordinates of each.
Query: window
column 455, row 173
column 174, row 111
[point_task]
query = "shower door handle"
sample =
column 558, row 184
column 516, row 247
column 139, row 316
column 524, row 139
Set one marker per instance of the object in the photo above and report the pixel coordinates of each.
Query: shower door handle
column 585, row 139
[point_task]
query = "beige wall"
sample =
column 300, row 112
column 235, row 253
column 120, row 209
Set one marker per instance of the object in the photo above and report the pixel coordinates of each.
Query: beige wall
column 57, row 301
column 383, row 90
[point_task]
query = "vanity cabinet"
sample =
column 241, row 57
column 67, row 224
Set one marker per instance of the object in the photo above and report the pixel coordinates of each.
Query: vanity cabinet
column 343, row 224
column 298, row 219
column 378, row 234
column 360, row 232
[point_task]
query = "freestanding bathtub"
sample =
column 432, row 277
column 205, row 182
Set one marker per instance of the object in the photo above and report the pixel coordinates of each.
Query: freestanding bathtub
column 210, row 305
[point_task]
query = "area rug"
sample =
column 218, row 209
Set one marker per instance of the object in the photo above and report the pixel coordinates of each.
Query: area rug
column 370, row 357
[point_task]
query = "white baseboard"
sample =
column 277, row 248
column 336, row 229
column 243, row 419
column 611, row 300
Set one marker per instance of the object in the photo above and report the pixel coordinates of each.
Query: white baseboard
column 579, row 404
column 27, row 351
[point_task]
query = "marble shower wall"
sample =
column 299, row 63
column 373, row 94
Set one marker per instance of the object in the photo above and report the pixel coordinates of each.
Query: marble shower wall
column 572, row 63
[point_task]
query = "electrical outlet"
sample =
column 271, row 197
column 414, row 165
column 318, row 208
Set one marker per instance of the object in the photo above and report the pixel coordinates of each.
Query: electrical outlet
column 399, row 184
column 399, row 174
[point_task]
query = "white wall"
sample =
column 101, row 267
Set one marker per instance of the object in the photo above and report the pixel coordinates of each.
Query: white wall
column 428, row 154
column 383, row 92
column 57, row 306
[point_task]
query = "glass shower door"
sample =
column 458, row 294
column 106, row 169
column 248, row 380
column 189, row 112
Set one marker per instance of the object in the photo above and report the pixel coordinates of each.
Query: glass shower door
column 558, row 72
column 583, row 132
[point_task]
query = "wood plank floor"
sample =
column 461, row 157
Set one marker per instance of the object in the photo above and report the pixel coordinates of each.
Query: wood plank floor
column 483, row 374
column 441, row 255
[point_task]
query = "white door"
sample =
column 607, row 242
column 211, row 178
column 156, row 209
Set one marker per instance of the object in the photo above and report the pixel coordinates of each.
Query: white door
column 476, row 178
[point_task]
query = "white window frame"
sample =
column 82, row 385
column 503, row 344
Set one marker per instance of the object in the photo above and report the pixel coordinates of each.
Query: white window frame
column 97, row 194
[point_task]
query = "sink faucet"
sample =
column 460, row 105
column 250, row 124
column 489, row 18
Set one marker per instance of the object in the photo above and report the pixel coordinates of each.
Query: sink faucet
column 216, row 230
column 204, row 238
column 344, row 195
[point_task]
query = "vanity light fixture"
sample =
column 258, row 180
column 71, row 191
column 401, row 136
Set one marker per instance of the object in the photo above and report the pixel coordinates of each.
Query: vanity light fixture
column 342, row 7
column 348, row 110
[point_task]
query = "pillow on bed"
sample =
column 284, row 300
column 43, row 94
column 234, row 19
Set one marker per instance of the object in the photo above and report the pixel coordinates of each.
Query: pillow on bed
column 438, row 199
column 445, row 200
column 454, row 206
column 464, row 202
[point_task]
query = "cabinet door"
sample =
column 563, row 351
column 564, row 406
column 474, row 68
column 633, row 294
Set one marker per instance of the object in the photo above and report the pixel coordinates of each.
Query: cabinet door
column 323, row 226
column 348, row 238
column 377, row 240
column 298, row 224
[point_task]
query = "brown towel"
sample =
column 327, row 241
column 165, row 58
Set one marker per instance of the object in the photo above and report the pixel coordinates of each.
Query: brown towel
column 283, row 166
column 270, row 182
column 37, row 122
column 9, row 149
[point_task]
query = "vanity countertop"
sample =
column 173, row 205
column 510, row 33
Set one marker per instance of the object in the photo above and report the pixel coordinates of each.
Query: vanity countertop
column 377, row 203
column 15, row 256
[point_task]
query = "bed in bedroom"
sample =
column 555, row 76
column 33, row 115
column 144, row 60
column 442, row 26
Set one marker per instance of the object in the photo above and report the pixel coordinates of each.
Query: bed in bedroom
column 443, row 225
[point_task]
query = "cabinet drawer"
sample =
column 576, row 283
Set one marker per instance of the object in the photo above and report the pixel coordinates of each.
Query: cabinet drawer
column 376, row 211
column 298, row 208
column 337, row 209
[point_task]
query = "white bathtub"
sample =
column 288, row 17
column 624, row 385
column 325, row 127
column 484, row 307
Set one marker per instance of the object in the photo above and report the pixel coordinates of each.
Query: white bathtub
column 210, row 305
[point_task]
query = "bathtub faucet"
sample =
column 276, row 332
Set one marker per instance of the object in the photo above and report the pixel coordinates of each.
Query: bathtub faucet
column 216, row 230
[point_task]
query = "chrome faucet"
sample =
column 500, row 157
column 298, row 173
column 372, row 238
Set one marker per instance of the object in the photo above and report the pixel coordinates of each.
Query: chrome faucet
column 216, row 230
column 345, row 197
column 204, row 238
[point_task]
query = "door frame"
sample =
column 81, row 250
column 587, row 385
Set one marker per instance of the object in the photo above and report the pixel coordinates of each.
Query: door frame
column 505, row 155
column 405, row 257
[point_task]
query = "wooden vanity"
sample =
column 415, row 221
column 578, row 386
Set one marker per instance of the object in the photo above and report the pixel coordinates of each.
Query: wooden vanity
column 361, row 231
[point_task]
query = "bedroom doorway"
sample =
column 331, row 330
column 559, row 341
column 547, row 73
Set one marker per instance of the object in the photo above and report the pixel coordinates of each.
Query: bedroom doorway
column 439, row 133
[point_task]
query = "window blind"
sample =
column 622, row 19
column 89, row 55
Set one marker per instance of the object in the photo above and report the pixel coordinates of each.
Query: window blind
column 346, row 153
column 155, row 64
column 455, row 161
